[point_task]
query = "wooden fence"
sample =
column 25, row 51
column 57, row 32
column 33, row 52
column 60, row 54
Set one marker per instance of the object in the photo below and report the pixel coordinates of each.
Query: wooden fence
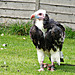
column 62, row 11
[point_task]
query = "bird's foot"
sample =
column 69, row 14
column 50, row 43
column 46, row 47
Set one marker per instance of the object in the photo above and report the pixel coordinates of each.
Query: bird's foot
column 45, row 65
column 41, row 69
column 51, row 68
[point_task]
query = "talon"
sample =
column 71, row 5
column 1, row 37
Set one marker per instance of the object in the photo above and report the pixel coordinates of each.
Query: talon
column 51, row 67
column 41, row 69
column 45, row 65
column 48, row 68
column 52, row 70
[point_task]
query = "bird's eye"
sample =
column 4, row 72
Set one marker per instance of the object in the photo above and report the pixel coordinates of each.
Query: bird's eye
column 40, row 14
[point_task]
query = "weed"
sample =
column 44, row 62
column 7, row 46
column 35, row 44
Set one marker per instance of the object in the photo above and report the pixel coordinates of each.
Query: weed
column 16, row 28
column 69, row 33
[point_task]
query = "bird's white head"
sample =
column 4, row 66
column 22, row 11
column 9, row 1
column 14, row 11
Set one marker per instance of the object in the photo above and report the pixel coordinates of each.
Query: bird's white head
column 40, row 14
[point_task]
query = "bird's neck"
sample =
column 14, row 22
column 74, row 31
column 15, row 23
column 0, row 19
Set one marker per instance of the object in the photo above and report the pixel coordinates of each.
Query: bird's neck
column 39, row 24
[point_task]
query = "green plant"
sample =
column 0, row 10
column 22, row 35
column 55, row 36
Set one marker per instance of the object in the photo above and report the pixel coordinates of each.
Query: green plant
column 16, row 28
column 20, row 28
column 70, row 33
column 3, row 29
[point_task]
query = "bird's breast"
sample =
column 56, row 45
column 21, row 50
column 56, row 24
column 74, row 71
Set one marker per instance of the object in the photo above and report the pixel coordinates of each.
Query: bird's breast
column 39, row 24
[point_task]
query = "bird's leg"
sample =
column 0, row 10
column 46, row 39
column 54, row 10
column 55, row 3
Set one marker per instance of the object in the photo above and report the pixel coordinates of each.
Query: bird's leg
column 41, row 67
column 41, row 56
column 52, row 67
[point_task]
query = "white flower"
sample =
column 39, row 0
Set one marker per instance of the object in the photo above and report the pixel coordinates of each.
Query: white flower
column 2, row 34
column 24, row 38
column 4, row 62
column 1, row 48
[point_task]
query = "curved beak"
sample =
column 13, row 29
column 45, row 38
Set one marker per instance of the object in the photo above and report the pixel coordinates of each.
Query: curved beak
column 32, row 16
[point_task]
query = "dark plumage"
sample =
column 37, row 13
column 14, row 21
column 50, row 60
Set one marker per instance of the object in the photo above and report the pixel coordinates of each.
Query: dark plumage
column 54, row 35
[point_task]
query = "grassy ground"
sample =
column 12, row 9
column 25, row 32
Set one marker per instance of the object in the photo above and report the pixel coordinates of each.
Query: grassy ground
column 20, row 57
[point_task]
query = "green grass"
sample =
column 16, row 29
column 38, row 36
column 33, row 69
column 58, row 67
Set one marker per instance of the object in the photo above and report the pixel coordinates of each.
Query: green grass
column 21, row 57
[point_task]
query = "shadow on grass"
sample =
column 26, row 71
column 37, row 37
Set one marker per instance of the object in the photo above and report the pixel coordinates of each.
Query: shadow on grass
column 67, row 68
column 67, row 64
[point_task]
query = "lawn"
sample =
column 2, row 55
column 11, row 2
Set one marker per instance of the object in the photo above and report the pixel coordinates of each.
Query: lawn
column 19, row 57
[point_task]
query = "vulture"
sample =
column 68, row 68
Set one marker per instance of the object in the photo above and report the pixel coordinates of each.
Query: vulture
column 48, row 36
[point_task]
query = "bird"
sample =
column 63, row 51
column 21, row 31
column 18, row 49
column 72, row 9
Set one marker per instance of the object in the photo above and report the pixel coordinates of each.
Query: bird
column 48, row 37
